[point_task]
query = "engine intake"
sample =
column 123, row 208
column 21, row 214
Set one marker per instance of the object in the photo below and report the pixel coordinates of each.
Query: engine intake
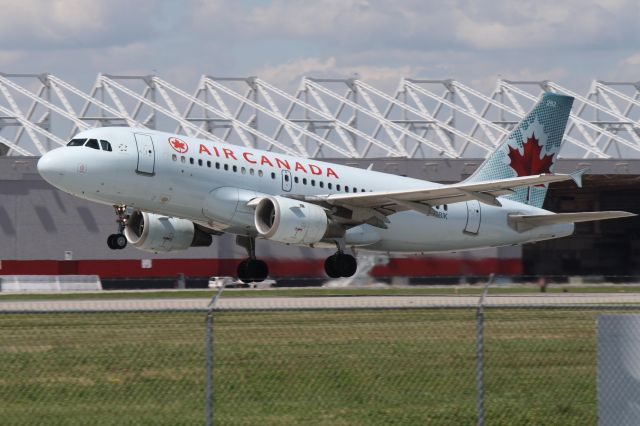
column 155, row 233
column 290, row 221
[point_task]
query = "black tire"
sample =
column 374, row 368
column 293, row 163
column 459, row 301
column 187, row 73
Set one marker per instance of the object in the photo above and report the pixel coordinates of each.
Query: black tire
column 111, row 243
column 331, row 266
column 119, row 241
column 258, row 270
column 346, row 265
column 243, row 272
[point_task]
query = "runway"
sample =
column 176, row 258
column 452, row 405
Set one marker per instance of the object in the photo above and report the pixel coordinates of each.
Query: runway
column 318, row 302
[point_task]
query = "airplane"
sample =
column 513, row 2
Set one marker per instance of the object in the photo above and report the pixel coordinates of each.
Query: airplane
column 171, row 192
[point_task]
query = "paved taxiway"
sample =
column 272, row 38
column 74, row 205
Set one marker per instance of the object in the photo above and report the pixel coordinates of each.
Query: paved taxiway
column 321, row 302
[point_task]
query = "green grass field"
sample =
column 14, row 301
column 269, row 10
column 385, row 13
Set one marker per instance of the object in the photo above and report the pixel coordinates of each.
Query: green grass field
column 290, row 368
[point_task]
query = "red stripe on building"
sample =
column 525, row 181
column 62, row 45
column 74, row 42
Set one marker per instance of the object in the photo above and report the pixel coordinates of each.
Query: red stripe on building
column 132, row 268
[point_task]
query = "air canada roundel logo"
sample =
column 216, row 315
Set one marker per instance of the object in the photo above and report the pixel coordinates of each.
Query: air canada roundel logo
column 178, row 145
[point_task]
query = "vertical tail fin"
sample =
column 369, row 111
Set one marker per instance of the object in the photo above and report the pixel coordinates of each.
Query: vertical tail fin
column 531, row 148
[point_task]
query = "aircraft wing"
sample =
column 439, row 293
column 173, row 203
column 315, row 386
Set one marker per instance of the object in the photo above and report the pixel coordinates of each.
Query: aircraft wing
column 422, row 199
column 525, row 222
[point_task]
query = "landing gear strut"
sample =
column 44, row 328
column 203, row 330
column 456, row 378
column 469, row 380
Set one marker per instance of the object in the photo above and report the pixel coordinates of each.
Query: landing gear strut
column 118, row 241
column 340, row 264
column 251, row 270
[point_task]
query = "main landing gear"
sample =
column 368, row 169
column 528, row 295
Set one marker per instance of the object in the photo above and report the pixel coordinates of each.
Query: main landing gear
column 251, row 270
column 118, row 241
column 340, row 264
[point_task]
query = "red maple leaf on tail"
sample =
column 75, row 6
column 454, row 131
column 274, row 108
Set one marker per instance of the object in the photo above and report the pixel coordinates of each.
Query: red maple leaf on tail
column 529, row 163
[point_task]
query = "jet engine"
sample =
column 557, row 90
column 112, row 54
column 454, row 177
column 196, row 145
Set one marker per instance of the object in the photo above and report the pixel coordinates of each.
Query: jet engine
column 155, row 233
column 290, row 221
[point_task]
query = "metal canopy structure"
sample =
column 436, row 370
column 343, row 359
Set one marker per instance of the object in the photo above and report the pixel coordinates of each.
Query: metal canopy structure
column 333, row 118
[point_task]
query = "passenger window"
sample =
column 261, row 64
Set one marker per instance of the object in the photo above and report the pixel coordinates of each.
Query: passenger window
column 226, row 167
column 321, row 183
column 243, row 170
column 363, row 190
column 329, row 185
column 174, row 157
column 337, row 187
column 313, row 182
column 191, row 160
column 273, row 175
column 304, row 181
column 217, row 165
column 295, row 179
column 286, row 178
column 260, row 173
column 235, row 169
column 200, row 162
column 346, row 188
column 106, row 146
column 92, row 143
column 209, row 164
column 355, row 189
column 251, row 172
column 183, row 160
column 76, row 142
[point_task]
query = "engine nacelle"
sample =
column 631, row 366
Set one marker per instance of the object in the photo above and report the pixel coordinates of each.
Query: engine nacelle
column 290, row 221
column 155, row 233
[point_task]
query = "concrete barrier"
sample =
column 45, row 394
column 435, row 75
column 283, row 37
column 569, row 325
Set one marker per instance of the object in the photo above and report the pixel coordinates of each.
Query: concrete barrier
column 49, row 283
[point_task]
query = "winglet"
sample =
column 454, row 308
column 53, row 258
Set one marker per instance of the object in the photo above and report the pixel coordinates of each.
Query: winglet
column 577, row 176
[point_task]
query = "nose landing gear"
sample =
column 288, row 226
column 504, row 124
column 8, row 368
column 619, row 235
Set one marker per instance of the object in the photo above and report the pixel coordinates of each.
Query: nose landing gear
column 118, row 241
column 251, row 270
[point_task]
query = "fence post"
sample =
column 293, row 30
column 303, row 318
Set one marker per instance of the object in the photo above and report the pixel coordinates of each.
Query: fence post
column 480, row 353
column 210, row 357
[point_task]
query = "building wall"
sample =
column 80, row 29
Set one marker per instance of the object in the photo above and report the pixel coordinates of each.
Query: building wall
column 40, row 223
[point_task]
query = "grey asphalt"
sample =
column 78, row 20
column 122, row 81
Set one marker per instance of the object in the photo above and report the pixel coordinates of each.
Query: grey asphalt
column 321, row 302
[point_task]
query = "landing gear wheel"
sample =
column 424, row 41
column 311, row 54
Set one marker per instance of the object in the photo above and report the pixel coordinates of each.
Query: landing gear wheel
column 120, row 241
column 331, row 266
column 117, row 241
column 243, row 272
column 252, row 270
column 110, row 242
column 347, row 265
column 340, row 265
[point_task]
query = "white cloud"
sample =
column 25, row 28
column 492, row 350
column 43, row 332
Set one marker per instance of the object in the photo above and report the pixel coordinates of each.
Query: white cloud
column 573, row 23
column 338, row 23
column 289, row 75
column 632, row 60
column 429, row 25
column 34, row 24
column 280, row 41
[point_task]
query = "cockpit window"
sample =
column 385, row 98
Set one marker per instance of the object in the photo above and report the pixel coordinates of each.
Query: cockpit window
column 76, row 142
column 92, row 143
column 106, row 146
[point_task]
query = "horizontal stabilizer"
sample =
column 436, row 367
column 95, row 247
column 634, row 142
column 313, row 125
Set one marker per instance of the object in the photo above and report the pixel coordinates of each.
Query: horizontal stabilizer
column 577, row 176
column 525, row 222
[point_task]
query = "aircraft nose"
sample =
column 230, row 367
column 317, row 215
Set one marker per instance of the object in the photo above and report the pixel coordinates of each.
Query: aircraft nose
column 51, row 167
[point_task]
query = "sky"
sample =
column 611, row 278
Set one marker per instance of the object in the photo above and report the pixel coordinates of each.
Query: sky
column 569, row 41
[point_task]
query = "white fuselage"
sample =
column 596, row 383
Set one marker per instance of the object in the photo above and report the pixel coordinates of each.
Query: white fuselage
column 211, row 183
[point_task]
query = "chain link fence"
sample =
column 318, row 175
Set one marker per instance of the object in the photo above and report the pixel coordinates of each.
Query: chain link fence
column 289, row 361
